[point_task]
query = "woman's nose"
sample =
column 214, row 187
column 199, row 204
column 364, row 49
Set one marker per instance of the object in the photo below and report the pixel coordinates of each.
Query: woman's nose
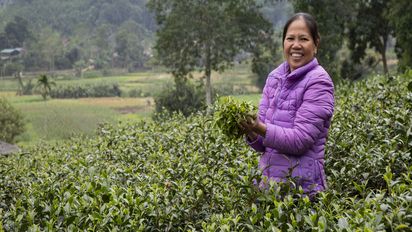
column 296, row 44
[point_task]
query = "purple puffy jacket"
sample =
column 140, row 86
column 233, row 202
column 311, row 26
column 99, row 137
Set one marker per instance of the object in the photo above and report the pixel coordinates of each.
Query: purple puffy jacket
column 297, row 108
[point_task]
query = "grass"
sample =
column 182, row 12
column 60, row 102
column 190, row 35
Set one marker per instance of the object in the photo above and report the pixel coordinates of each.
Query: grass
column 60, row 119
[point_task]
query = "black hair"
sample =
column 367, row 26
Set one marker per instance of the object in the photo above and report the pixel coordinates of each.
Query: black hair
column 310, row 23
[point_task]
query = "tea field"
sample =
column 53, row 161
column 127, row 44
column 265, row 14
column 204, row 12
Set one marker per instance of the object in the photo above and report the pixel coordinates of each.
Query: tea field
column 183, row 175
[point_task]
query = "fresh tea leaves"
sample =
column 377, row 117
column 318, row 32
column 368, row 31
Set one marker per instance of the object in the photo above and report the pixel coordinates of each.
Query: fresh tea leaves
column 229, row 113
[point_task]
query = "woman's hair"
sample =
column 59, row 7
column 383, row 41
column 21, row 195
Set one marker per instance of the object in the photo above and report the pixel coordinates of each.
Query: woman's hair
column 310, row 23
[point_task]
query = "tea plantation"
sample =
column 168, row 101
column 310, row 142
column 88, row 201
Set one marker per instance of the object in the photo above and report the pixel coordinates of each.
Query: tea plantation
column 182, row 175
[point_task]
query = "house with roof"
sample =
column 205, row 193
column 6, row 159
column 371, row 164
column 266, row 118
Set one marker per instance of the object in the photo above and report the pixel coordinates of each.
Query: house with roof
column 11, row 53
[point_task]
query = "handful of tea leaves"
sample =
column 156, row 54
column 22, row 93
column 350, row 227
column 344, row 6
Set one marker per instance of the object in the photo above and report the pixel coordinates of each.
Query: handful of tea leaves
column 229, row 113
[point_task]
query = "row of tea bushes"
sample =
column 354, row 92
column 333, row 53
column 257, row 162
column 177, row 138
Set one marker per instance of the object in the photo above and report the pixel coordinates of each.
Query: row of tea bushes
column 182, row 175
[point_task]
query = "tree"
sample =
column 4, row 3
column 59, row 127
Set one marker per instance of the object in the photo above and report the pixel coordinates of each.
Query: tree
column 206, row 35
column 17, row 32
column 370, row 29
column 331, row 17
column 102, row 45
column 129, row 50
column 45, row 84
column 401, row 21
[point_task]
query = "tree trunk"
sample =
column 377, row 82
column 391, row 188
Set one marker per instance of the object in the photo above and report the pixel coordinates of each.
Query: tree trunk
column 384, row 61
column 208, row 81
column 20, row 82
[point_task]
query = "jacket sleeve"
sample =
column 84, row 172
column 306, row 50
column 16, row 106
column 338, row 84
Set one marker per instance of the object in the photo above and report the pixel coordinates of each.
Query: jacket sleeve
column 310, row 120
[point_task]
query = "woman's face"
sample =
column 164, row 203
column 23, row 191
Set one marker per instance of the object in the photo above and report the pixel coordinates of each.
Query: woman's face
column 298, row 46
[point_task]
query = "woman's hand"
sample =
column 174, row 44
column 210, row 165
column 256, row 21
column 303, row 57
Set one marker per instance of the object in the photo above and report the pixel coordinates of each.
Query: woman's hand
column 253, row 127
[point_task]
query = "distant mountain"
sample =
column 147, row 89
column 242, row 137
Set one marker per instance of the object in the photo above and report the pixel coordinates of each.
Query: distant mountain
column 5, row 2
column 67, row 31
column 65, row 16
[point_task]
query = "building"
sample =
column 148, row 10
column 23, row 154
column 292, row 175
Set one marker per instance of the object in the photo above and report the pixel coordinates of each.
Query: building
column 11, row 53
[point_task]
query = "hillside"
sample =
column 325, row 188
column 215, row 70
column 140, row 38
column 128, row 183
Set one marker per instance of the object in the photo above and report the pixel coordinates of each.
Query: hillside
column 78, row 33
column 66, row 16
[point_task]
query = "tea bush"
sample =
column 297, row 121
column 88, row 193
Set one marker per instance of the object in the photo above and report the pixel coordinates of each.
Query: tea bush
column 181, row 174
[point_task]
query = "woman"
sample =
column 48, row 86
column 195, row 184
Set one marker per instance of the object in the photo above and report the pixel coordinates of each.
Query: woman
column 295, row 111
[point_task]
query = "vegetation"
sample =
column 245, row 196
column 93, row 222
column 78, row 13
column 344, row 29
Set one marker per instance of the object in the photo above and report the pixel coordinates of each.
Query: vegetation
column 348, row 28
column 229, row 113
column 207, row 35
column 82, row 91
column 185, row 98
column 181, row 174
column 45, row 85
column 102, row 34
column 62, row 119
column 11, row 121
column 401, row 24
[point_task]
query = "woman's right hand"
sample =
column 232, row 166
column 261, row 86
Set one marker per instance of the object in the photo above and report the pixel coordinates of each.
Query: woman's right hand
column 248, row 128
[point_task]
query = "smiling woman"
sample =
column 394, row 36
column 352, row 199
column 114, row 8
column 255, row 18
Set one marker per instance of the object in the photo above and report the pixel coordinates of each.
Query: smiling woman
column 295, row 111
column 299, row 46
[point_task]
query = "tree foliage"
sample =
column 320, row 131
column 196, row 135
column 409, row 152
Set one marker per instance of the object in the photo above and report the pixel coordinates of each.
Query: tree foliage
column 331, row 17
column 206, row 34
column 401, row 21
column 11, row 122
column 45, row 84
column 62, row 33
column 15, row 33
column 369, row 29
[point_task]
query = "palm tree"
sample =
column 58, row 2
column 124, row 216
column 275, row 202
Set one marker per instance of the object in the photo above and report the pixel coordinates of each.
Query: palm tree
column 44, row 83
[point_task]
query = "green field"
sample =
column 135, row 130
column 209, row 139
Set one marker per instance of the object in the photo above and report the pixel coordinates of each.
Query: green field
column 60, row 119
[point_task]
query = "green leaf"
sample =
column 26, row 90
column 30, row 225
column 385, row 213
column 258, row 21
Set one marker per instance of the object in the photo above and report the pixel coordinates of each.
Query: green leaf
column 410, row 86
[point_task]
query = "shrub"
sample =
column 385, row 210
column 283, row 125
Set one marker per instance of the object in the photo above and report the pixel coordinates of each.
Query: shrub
column 83, row 91
column 138, row 93
column 184, row 97
column 11, row 121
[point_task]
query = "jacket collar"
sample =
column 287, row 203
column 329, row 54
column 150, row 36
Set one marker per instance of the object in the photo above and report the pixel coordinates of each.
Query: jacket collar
column 299, row 72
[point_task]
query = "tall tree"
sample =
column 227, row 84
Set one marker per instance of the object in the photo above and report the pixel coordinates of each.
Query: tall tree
column 401, row 20
column 331, row 17
column 370, row 29
column 129, row 47
column 206, row 34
